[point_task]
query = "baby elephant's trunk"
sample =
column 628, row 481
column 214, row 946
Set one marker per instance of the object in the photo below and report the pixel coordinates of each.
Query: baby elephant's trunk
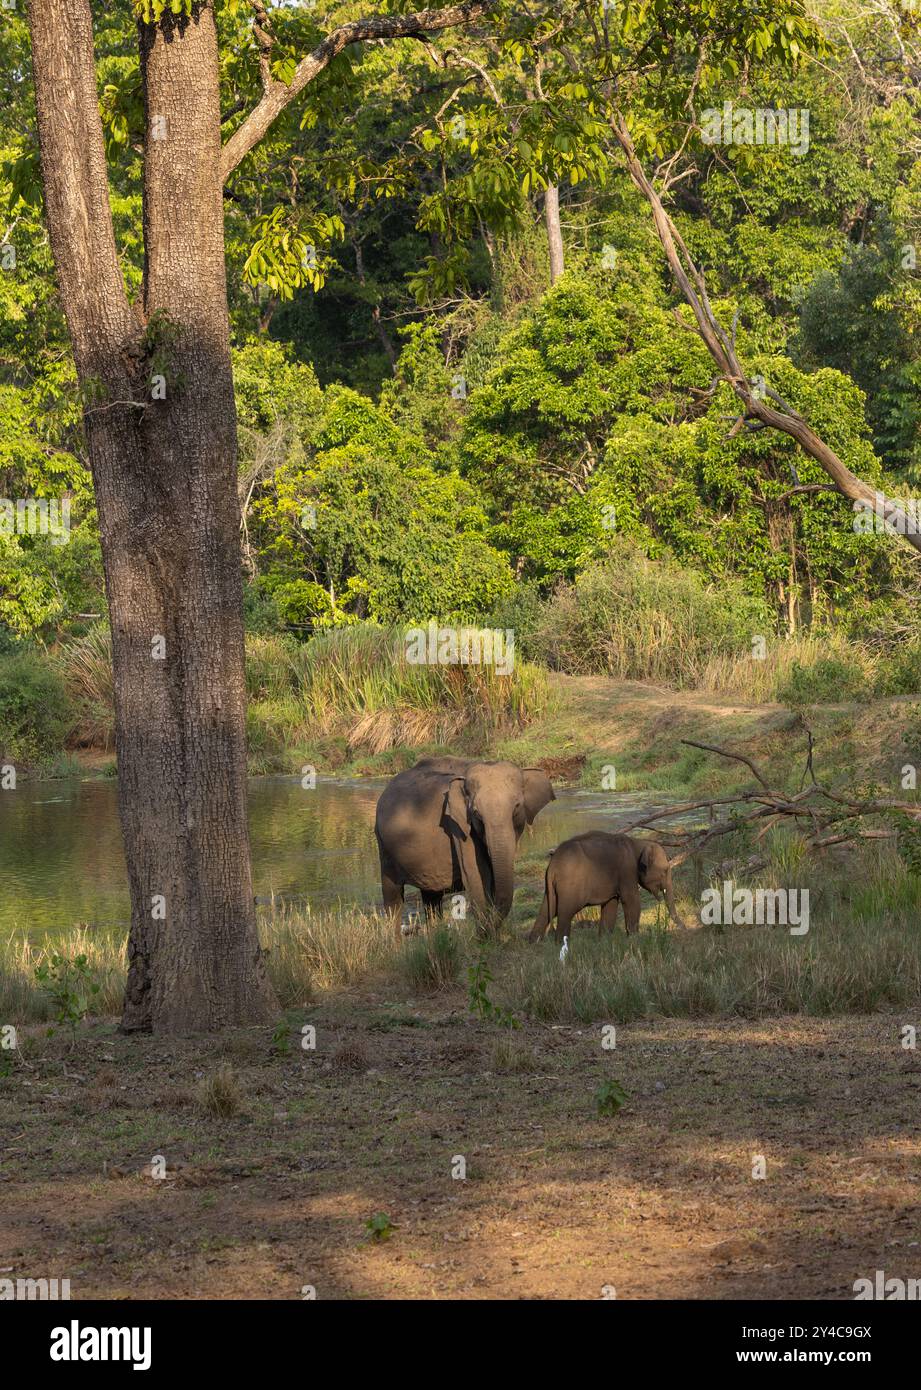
column 672, row 909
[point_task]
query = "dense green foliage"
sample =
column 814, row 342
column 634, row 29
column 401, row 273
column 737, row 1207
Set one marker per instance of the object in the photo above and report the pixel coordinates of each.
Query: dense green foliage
column 428, row 430
column 35, row 712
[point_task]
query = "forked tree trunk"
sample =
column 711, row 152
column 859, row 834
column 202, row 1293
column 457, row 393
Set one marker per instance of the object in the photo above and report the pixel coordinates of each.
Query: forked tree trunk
column 165, row 472
column 161, row 435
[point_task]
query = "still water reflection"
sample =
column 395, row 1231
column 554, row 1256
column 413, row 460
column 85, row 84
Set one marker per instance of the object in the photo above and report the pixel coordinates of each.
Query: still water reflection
column 61, row 859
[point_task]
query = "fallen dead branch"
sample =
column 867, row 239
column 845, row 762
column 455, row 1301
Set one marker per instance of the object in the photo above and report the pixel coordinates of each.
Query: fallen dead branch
column 825, row 817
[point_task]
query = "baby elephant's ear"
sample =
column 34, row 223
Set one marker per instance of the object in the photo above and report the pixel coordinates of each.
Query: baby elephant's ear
column 648, row 855
column 537, row 791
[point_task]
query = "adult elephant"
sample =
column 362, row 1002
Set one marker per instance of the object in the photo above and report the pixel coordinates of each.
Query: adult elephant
column 449, row 825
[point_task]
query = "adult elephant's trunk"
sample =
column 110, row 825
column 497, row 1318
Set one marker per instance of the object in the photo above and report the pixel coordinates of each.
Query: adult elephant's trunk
column 501, row 845
column 672, row 910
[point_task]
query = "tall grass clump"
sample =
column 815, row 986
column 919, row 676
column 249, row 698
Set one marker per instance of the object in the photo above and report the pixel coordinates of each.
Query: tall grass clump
column 22, row 1000
column 323, row 950
column 639, row 619
column 273, row 670
column 821, row 667
column 862, row 953
column 86, row 665
column 813, row 668
column 220, row 1095
column 352, row 682
column 340, row 947
column 748, row 972
column 358, row 681
column 432, row 960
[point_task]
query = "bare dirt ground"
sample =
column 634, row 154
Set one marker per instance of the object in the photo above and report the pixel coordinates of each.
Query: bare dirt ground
column 558, row 1202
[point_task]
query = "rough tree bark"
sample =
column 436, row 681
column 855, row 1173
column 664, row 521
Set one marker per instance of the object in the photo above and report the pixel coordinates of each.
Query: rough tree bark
column 161, row 437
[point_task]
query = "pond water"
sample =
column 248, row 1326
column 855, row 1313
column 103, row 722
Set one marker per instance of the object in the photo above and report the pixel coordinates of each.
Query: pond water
column 61, row 860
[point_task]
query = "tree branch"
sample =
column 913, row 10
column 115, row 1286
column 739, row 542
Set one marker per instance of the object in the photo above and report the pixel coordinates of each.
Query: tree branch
column 825, row 817
column 75, row 180
column 265, row 41
column 278, row 95
column 726, row 753
column 722, row 350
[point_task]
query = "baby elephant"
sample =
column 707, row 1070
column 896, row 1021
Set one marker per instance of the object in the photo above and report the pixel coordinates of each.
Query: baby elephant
column 601, row 870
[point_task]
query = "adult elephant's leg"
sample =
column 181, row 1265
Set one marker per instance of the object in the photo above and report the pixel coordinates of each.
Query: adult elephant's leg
column 392, row 890
column 630, row 897
column 433, row 903
column 608, row 919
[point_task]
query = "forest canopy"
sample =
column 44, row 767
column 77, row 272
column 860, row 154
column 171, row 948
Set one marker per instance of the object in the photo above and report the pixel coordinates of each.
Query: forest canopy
column 431, row 428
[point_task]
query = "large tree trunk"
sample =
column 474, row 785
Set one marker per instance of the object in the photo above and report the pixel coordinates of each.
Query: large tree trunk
column 554, row 231
column 166, row 486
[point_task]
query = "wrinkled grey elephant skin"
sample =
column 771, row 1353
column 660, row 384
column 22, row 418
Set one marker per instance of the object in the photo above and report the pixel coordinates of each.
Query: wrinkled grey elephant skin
column 599, row 869
column 449, row 825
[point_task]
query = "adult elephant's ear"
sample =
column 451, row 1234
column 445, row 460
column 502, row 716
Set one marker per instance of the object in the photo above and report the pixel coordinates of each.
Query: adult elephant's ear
column 456, row 808
column 537, row 791
column 456, row 820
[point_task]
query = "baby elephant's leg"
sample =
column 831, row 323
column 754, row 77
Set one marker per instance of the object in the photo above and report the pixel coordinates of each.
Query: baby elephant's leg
column 564, row 918
column 630, row 897
column 608, row 919
column 541, row 921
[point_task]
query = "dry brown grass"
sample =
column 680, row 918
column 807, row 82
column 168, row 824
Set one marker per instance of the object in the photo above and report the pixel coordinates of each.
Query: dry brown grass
column 220, row 1094
column 758, row 681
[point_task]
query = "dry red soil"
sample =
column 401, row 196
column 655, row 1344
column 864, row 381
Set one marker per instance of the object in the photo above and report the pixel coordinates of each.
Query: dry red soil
column 558, row 1202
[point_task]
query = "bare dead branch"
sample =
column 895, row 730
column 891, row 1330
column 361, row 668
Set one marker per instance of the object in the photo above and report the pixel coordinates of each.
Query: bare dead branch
column 827, row 817
column 727, row 753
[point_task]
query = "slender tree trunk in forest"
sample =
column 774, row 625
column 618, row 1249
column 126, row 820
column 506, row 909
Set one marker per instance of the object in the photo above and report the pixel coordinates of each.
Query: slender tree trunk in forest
column 554, row 231
column 384, row 337
column 161, row 433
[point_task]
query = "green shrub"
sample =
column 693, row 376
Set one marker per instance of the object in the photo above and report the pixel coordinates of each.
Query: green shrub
column 641, row 619
column 829, row 679
column 900, row 671
column 70, row 985
column 911, row 731
column 261, row 613
column 521, row 611
column 35, row 712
